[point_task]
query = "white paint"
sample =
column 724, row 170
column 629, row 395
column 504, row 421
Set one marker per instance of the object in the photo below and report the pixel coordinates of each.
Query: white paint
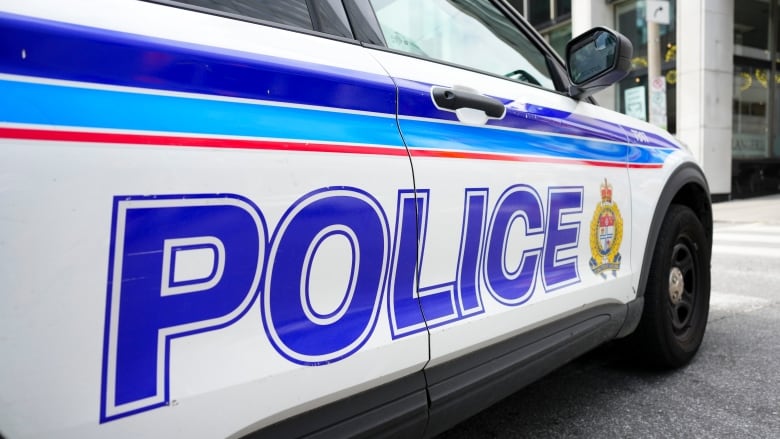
column 757, row 252
column 725, row 302
column 746, row 237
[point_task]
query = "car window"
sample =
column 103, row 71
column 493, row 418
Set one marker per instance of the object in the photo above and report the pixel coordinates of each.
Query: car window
column 324, row 15
column 472, row 33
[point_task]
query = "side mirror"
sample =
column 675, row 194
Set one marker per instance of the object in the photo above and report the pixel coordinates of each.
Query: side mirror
column 597, row 59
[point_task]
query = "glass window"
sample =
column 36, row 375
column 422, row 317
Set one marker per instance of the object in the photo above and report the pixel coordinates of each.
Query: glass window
column 518, row 5
column 756, row 108
column 559, row 37
column 289, row 12
column 471, row 33
column 751, row 25
column 539, row 12
column 632, row 91
column 331, row 17
column 563, row 7
column 751, row 113
column 327, row 16
column 776, row 125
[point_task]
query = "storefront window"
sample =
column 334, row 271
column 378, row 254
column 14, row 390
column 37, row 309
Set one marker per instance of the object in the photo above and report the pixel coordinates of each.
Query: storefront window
column 563, row 7
column 632, row 91
column 751, row 110
column 544, row 14
column 756, row 115
column 752, row 68
column 539, row 12
column 776, row 125
column 552, row 18
column 518, row 5
column 751, row 27
column 558, row 38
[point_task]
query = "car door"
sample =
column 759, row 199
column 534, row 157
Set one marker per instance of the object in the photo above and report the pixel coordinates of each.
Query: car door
column 203, row 194
column 521, row 202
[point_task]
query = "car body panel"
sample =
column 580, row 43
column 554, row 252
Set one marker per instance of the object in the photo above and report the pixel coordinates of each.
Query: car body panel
column 521, row 152
column 152, row 121
column 215, row 226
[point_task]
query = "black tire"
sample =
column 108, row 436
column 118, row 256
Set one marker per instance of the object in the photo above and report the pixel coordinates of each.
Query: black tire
column 677, row 296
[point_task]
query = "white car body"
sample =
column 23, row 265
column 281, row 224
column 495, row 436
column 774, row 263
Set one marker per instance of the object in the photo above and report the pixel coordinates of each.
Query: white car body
column 244, row 176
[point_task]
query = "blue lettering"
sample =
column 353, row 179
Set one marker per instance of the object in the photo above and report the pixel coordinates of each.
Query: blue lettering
column 187, row 264
column 472, row 237
column 296, row 329
column 404, row 306
column 437, row 301
column 560, row 271
column 513, row 285
column 179, row 266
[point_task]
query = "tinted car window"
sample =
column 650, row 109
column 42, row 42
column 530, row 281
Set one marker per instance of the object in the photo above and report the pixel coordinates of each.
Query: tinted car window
column 326, row 16
column 472, row 33
column 331, row 17
column 290, row 12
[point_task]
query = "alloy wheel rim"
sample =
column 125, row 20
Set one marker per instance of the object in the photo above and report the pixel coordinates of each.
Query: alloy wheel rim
column 682, row 288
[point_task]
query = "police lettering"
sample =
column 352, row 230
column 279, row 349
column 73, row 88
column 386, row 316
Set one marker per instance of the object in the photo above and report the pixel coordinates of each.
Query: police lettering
column 187, row 264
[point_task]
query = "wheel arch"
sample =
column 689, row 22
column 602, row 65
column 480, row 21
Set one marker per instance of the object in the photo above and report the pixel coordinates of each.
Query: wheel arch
column 686, row 186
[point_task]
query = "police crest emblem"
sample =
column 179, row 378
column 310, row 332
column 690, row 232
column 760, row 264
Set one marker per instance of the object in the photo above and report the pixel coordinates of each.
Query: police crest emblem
column 606, row 234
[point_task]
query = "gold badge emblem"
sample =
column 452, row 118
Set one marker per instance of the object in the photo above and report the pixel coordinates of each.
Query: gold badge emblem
column 606, row 234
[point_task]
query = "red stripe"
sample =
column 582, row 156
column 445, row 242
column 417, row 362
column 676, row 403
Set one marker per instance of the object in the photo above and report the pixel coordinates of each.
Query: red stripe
column 527, row 159
column 275, row 145
column 645, row 165
column 202, row 142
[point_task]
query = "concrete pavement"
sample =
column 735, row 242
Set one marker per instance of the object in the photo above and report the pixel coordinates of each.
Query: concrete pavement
column 753, row 210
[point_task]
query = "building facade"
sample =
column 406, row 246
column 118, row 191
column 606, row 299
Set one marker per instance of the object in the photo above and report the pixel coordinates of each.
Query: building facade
column 716, row 83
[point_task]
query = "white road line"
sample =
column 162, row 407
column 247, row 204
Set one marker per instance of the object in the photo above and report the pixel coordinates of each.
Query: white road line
column 746, row 237
column 736, row 302
column 764, row 252
column 764, row 275
column 751, row 227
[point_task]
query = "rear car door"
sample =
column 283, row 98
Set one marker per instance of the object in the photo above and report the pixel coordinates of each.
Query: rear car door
column 198, row 199
column 522, row 198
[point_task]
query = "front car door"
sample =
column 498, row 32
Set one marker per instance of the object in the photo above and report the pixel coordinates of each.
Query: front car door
column 521, row 201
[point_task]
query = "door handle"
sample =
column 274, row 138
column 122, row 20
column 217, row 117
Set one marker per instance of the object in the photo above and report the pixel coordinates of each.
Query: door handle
column 456, row 98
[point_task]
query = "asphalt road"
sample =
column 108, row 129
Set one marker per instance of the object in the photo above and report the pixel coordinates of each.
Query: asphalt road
column 730, row 390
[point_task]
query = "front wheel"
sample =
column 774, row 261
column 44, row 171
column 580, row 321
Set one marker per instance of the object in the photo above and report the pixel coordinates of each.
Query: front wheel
column 677, row 296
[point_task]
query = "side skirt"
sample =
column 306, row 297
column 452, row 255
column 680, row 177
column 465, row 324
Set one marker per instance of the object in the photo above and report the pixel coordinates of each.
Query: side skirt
column 462, row 387
column 456, row 389
column 395, row 409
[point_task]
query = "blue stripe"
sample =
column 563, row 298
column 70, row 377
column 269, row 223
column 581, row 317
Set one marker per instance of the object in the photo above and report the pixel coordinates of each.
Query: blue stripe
column 445, row 136
column 84, row 54
column 415, row 101
column 648, row 155
column 79, row 107
column 47, row 104
column 78, row 53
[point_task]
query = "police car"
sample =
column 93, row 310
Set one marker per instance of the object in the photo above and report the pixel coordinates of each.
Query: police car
column 284, row 218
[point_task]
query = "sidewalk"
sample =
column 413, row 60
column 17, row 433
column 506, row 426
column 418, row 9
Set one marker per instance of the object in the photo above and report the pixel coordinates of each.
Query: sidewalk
column 752, row 210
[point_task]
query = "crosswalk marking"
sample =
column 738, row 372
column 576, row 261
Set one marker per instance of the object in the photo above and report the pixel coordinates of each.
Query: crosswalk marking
column 751, row 240
column 747, row 237
column 736, row 302
column 764, row 252
column 751, row 227
column 772, row 276
column 743, row 268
